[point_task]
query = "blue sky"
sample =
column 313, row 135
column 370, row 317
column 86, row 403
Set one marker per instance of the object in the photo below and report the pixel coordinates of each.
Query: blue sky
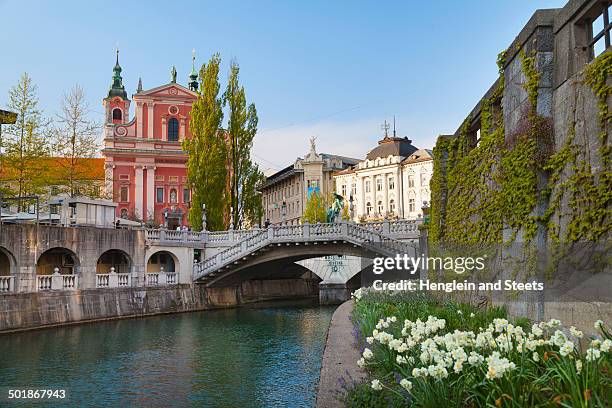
column 332, row 69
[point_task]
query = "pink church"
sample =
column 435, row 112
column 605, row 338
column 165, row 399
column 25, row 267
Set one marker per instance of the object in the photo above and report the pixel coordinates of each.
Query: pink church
column 145, row 167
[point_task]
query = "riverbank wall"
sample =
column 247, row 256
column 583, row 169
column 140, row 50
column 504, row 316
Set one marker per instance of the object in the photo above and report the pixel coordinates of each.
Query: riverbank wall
column 34, row 310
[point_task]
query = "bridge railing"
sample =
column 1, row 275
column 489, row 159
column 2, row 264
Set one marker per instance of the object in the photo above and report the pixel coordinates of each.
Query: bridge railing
column 387, row 227
column 308, row 232
column 212, row 237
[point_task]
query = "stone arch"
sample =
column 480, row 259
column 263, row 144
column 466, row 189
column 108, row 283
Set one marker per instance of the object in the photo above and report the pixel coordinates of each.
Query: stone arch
column 58, row 257
column 115, row 258
column 8, row 264
column 162, row 259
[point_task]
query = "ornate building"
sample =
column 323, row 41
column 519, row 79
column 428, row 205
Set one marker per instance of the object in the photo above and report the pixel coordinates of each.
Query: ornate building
column 285, row 192
column 392, row 181
column 145, row 166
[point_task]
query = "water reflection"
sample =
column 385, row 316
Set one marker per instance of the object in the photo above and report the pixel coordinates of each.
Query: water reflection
column 248, row 357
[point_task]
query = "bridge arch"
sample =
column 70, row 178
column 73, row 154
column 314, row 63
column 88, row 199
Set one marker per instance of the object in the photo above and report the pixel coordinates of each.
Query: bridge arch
column 58, row 257
column 114, row 258
column 283, row 254
column 163, row 259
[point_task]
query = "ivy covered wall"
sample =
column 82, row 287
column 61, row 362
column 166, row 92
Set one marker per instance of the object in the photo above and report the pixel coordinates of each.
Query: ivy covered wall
column 543, row 175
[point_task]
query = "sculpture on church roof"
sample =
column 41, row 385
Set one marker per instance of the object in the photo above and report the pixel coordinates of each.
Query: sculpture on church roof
column 173, row 75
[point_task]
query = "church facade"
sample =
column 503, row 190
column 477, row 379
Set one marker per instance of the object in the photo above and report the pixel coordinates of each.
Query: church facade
column 145, row 166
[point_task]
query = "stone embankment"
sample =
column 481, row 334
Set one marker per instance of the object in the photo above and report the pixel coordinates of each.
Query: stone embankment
column 34, row 310
column 339, row 359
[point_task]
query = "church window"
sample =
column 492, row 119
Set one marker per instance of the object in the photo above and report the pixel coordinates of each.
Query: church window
column 173, row 129
column 186, row 195
column 159, row 194
column 117, row 115
column 123, row 196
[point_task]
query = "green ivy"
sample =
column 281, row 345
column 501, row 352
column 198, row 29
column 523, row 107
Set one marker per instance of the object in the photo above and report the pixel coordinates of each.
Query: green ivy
column 493, row 185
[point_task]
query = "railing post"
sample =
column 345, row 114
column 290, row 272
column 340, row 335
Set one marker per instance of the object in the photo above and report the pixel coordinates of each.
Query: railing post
column 204, row 237
column 113, row 279
column 385, row 227
column 231, row 235
column 162, row 235
column 57, row 282
column 344, row 229
column 306, row 230
column 271, row 233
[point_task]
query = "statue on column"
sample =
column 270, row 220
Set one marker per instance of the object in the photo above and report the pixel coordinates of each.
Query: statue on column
column 313, row 146
column 203, row 217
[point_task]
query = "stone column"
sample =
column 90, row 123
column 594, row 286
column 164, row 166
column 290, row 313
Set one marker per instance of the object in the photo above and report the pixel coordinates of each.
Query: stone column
column 362, row 198
column 139, row 116
column 138, row 191
column 150, row 192
column 399, row 192
column 150, row 115
column 385, row 193
column 164, row 124
column 183, row 125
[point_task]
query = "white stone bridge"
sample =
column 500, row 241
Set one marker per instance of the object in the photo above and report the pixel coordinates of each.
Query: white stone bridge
column 229, row 258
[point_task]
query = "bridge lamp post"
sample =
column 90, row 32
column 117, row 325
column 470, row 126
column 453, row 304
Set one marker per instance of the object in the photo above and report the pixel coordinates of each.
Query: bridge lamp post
column 283, row 211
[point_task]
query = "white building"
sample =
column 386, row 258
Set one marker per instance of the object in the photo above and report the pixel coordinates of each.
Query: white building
column 392, row 181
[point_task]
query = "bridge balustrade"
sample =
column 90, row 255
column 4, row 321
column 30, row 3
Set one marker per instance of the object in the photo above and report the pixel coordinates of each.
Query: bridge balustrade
column 160, row 236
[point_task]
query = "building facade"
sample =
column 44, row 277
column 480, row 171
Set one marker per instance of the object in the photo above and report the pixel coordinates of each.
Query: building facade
column 392, row 181
column 145, row 166
column 285, row 192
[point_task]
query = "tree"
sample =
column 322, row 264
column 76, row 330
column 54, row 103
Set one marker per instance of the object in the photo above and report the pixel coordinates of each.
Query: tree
column 24, row 167
column 244, row 175
column 316, row 208
column 252, row 206
column 346, row 215
column 206, row 166
column 75, row 142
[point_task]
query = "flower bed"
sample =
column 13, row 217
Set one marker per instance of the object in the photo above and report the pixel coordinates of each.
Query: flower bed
column 424, row 352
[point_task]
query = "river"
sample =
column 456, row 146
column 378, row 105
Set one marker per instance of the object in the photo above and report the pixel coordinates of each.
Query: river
column 266, row 356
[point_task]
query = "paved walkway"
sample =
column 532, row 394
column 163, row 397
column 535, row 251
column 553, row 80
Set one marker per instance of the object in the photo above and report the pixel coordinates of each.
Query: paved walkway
column 340, row 356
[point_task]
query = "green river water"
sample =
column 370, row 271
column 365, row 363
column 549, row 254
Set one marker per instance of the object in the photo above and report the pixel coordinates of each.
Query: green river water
column 265, row 356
